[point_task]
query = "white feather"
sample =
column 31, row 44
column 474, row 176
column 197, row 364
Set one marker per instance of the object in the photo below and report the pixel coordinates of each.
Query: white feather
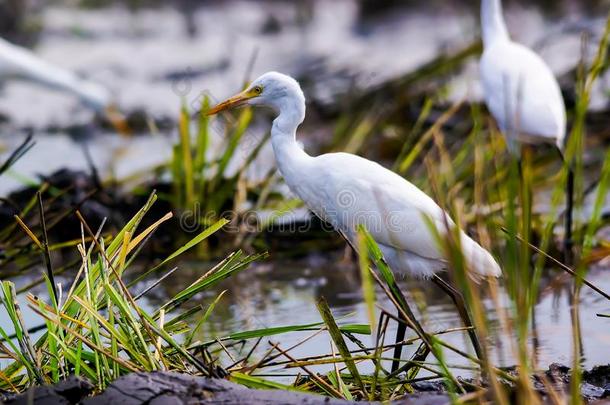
column 520, row 90
column 20, row 63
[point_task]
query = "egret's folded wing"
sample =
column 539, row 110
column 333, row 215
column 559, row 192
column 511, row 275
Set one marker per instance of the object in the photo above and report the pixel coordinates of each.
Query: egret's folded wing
column 392, row 209
column 522, row 93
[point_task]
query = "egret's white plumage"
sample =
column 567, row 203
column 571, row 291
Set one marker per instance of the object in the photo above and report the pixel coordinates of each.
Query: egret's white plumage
column 347, row 190
column 523, row 95
column 20, row 63
column 520, row 90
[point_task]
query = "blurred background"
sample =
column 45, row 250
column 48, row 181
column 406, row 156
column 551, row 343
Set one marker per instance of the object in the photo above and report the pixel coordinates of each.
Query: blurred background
column 153, row 55
column 370, row 69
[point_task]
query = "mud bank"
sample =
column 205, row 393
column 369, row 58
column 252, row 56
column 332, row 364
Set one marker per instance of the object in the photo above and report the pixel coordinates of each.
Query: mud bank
column 173, row 388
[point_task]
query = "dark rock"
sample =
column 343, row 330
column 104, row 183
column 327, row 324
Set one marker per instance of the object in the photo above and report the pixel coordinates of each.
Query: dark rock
column 600, row 377
column 373, row 8
column 595, row 385
column 558, row 372
column 423, row 399
column 171, row 388
column 69, row 391
column 428, row 386
column 590, row 391
column 271, row 25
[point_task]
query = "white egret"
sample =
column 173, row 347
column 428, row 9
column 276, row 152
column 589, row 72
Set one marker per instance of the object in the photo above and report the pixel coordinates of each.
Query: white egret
column 522, row 94
column 20, row 63
column 347, row 190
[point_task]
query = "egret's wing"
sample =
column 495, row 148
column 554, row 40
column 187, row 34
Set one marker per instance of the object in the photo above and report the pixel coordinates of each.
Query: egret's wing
column 351, row 191
column 357, row 191
column 522, row 93
column 409, row 217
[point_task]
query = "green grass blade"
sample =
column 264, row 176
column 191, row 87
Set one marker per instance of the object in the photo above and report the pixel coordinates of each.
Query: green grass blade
column 259, row 383
column 337, row 337
column 368, row 287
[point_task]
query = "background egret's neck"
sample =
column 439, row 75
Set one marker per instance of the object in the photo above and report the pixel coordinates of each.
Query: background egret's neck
column 26, row 65
column 492, row 22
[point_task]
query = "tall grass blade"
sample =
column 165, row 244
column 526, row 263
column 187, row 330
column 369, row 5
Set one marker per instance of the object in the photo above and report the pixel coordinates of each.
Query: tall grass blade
column 337, row 337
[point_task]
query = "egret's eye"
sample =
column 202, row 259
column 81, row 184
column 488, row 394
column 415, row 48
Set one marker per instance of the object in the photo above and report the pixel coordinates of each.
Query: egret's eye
column 257, row 90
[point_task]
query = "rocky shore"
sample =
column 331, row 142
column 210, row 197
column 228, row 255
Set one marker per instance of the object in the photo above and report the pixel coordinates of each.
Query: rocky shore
column 171, row 388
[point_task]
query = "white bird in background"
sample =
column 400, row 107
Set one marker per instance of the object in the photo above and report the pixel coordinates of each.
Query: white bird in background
column 20, row 63
column 347, row 190
column 522, row 94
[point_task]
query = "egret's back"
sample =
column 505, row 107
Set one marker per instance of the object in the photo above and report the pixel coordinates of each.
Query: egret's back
column 351, row 191
column 522, row 94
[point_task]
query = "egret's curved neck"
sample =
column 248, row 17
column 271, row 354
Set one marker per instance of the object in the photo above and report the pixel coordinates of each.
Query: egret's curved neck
column 492, row 22
column 291, row 158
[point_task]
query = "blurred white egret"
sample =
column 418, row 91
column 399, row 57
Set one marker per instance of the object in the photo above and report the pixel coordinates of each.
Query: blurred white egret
column 521, row 93
column 347, row 190
column 20, row 63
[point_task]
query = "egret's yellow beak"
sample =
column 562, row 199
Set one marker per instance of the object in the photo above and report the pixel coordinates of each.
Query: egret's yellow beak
column 117, row 120
column 234, row 101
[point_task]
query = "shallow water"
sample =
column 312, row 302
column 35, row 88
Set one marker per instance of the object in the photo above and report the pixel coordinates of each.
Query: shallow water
column 284, row 292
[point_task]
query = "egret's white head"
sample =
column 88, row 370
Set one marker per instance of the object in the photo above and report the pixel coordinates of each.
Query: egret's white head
column 275, row 90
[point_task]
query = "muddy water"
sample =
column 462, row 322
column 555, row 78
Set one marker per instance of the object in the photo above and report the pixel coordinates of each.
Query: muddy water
column 152, row 61
column 284, row 292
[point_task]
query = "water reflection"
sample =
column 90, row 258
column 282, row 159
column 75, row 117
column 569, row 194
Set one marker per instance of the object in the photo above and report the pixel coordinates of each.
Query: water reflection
column 284, row 292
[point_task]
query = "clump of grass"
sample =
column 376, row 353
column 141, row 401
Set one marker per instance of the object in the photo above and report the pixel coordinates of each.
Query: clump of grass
column 97, row 328
column 196, row 177
column 208, row 186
